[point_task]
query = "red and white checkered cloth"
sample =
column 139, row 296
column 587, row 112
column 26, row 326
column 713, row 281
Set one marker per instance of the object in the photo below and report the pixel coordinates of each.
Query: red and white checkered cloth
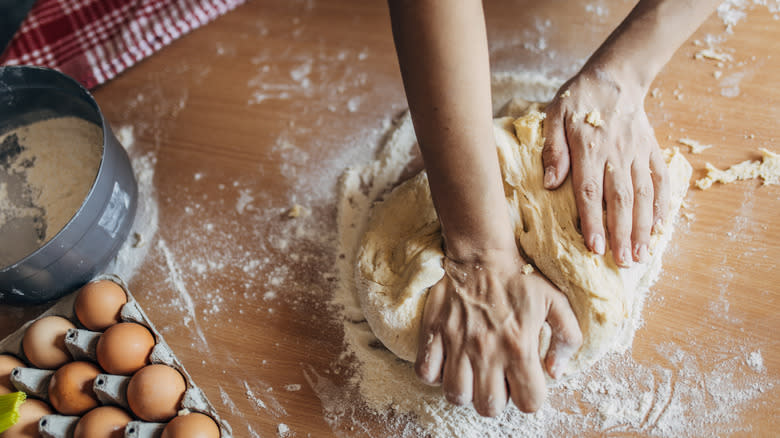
column 95, row 40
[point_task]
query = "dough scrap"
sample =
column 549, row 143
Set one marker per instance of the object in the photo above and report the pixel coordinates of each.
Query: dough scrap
column 768, row 169
column 400, row 255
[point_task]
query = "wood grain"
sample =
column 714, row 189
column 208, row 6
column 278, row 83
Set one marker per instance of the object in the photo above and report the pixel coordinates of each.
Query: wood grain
column 259, row 102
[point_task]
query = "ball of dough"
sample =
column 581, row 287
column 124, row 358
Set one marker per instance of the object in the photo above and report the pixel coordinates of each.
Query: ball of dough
column 400, row 255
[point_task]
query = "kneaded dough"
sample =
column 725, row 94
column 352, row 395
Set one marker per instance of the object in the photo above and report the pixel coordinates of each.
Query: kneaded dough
column 400, row 255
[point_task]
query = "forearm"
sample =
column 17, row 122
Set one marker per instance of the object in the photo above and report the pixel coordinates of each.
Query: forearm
column 443, row 56
column 645, row 41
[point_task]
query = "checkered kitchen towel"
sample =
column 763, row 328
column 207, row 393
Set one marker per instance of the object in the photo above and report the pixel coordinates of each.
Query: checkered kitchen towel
column 95, row 40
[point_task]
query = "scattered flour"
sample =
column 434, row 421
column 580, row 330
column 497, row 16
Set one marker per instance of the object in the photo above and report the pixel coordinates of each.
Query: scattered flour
column 228, row 402
column 134, row 250
column 756, row 362
column 283, row 430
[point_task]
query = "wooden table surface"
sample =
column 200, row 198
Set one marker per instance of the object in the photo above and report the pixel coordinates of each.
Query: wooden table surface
column 265, row 107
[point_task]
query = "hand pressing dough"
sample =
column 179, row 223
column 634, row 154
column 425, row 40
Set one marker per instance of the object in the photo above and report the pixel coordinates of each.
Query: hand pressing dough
column 400, row 256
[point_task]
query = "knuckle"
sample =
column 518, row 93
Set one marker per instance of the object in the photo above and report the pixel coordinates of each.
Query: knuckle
column 660, row 175
column 590, row 190
column 643, row 192
column 622, row 197
column 517, row 350
column 478, row 344
column 551, row 153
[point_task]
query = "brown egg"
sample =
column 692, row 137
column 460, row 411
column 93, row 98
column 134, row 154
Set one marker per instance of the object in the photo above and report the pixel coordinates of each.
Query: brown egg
column 102, row 422
column 30, row 412
column 7, row 364
column 98, row 304
column 155, row 392
column 192, row 425
column 44, row 342
column 124, row 348
column 70, row 388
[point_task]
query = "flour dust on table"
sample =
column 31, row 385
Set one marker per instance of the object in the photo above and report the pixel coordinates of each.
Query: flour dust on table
column 616, row 394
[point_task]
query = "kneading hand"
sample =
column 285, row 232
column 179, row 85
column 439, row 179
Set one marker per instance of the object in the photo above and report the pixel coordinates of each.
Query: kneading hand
column 480, row 334
column 597, row 126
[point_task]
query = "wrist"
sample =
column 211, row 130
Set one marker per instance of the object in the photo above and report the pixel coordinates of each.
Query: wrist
column 620, row 77
column 488, row 250
column 623, row 74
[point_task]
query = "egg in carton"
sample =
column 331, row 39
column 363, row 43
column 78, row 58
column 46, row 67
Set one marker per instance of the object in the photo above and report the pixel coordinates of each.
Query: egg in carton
column 111, row 389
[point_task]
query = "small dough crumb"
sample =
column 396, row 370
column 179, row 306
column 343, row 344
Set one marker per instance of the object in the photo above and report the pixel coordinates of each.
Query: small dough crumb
column 712, row 54
column 610, row 167
column 655, row 93
column 527, row 269
column 566, row 93
column 717, row 74
column 695, row 146
column 297, row 211
column 768, row 169
column 594, row 118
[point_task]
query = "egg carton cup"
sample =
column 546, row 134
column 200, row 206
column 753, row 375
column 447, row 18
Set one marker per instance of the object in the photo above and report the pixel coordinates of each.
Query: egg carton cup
column 109, row 389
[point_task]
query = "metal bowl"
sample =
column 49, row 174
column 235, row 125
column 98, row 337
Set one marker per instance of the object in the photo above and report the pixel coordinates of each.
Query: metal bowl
column 92, row 237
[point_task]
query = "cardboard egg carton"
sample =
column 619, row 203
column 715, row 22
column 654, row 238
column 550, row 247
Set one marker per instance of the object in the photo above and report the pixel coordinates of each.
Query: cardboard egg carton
column 109, row 389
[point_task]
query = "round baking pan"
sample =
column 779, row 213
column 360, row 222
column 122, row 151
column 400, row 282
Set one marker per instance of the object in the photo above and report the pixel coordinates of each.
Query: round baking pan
column 92, row 237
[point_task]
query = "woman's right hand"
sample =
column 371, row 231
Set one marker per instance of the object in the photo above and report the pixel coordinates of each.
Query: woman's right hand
column 479, row 336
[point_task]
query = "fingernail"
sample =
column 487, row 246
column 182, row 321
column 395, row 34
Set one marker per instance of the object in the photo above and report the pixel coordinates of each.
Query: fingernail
column 597, row 244
column 625, row 257
column 549, row 177
column 641, row 253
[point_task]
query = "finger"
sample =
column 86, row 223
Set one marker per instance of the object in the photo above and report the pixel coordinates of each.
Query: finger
column 490, row 393
column 565, row 338
column 430, row 351
column 525, row 378
column 430, row 358
column 643, row 211
column 661, row 189
column 555, row 154
column 619, row 197
column 588, row 180
column 458, row 380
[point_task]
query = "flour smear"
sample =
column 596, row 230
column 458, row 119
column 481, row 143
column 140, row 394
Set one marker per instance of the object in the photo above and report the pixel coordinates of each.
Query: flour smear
column 681, row 395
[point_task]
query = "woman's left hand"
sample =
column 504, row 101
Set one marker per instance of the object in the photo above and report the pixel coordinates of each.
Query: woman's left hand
column 596, row 126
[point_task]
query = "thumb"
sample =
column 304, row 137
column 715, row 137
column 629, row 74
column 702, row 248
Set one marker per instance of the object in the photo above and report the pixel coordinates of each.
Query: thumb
column 555, row 155
column 566, row 337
